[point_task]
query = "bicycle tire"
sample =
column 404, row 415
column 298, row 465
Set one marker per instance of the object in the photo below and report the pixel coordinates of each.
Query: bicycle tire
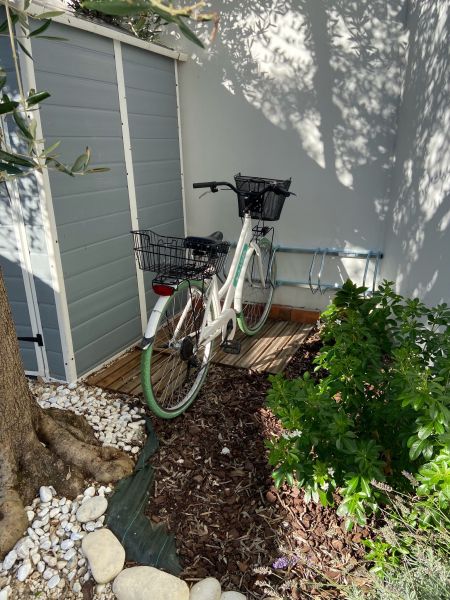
column 170, row 379
column 257, row 299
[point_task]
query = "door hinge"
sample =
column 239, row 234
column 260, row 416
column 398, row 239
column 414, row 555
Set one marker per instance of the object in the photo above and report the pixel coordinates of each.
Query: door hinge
column 37, row 339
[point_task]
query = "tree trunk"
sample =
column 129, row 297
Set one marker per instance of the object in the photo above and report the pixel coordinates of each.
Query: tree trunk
column 40, row 447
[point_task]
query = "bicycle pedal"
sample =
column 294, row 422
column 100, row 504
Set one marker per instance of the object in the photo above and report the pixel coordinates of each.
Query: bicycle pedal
column 231, row 347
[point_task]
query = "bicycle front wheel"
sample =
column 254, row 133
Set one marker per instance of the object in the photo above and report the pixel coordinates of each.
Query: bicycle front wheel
column 174, row 366
column 257, row 293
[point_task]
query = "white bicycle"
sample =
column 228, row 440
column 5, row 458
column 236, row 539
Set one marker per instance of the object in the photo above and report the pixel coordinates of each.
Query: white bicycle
column 196, row 306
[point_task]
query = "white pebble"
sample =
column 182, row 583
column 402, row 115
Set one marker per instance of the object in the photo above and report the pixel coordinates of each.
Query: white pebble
column 24, row 570
column 9, row 560
column 225, row 450
column 66, row 544
column 48, row 574
column 53, row 582
column 45, row 494
column 69, row 554
column 90, row 491
column 76, row 587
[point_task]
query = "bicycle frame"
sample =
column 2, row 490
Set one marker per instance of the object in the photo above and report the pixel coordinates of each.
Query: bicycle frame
column 219, row 300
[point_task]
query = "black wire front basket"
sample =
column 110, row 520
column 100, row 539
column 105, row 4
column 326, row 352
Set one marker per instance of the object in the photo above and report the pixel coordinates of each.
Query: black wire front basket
column 176, row 259
column 271, row 205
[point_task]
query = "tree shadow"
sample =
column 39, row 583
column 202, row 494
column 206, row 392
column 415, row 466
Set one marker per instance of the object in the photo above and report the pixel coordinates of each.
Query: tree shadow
column 418, row 235
column 309, row 89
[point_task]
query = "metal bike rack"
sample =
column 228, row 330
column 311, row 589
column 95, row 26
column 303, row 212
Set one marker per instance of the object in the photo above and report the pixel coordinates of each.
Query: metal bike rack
column 316, row 284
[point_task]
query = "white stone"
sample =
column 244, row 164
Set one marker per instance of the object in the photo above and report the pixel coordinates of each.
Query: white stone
column 9, row 560
column 70, row 554
column 54, row 512
column 232, row 596
column 90, row 491
column 45, row 545
column 90, row 526
column 5, row 592
column 53, row 582
column 77, row 535
column 76, row 587
column 50, row 560
column 142, row 583
column 24, row 570
column 35, row 558
column 92, row 509
column 23, row 547
column 45, row 494
column 105, row 555
column 48, row 573
column 207, row 589
column 66, row 544
column 41, row 566
column 30, row 515
column 72, row 386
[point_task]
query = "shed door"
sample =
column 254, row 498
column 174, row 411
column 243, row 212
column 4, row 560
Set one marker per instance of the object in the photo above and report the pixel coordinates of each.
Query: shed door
column 19, row 282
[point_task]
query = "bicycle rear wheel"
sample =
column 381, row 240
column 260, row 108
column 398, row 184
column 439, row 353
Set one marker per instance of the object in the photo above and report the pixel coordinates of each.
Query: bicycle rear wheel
column 257, row 295
column 174, row 366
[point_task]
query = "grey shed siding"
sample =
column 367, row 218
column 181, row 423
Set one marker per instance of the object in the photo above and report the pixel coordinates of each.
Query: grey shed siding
column 10, row 257
column 153, row 122
column 92, row 212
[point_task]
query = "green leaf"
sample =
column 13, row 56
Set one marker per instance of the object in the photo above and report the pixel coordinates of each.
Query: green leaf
column 37, row 97
column 15, row 159
column 425, row 431
column 188, row 33
column 98, row 170
column 7, row 106
column 55, row 38
column 23, row 125
column 49, row 15
column 41, row 29
column 416, row 449
column 51, row 148
column 119, row 8
column 10, row 169
column 24, row 50
column 4, row 25
column 80, row 164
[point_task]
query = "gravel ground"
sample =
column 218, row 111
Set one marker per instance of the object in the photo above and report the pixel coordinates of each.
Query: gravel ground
column 50, row 563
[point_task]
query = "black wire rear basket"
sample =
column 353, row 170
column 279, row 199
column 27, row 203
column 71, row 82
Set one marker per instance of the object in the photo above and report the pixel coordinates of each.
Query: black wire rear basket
column 269, row 209
column 176, row 259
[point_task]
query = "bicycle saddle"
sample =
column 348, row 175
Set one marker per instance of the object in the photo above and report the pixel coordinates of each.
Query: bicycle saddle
column 212, row 238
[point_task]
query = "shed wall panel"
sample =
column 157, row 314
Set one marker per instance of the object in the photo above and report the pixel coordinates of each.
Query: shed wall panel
column 31, row 216
column 153, row 123
column 92, row 212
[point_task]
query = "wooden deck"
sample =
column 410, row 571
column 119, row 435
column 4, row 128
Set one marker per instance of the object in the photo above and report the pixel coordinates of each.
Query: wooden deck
column 269, row 351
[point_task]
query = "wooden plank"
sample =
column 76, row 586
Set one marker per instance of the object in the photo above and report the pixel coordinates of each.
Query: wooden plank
column 270, row 351
column 285, row 341
column 284, row 356
column 122, row 361
column 260, row 350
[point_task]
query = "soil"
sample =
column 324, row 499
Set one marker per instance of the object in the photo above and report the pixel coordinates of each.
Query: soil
column 213, row 489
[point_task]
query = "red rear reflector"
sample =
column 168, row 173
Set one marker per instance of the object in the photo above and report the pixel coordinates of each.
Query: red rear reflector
column 162, row 289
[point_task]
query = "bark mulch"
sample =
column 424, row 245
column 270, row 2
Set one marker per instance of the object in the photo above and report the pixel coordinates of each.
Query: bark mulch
column 214, row 491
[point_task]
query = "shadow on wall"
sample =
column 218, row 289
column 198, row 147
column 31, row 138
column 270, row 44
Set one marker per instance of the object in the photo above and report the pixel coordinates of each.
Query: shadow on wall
column 418, row 234
column 301, row 88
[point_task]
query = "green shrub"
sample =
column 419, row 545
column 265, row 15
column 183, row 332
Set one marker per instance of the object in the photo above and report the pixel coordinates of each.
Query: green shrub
column 410, row 563
column 381, row 407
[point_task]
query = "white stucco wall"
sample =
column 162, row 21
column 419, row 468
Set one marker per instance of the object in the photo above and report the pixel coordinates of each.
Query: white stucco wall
column 307, row 89
column 417, row 243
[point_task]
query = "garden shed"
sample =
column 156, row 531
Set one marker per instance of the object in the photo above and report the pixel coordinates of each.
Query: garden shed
column 66, row 251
